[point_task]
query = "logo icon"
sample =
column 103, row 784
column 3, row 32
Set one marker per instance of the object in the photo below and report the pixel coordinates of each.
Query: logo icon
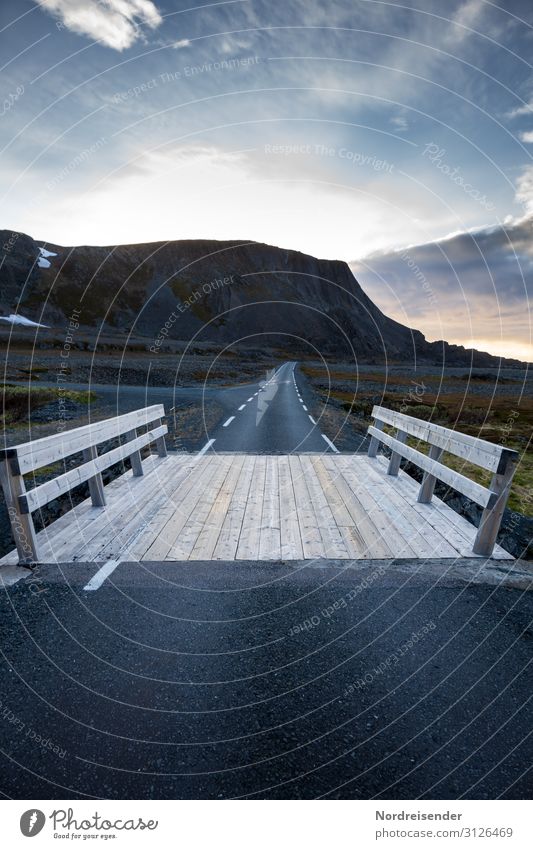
column 32, row 822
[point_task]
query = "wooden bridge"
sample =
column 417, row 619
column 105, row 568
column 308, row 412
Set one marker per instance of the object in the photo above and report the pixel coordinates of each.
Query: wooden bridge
column 252, row 506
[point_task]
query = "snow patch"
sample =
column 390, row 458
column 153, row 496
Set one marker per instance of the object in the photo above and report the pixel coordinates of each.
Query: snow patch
column 43, row 262
column 20, row 319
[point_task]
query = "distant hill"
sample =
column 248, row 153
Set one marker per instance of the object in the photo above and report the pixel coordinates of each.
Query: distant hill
column 225, row 292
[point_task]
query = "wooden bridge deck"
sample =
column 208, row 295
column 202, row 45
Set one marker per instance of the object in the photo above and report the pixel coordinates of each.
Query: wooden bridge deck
column 265, row 507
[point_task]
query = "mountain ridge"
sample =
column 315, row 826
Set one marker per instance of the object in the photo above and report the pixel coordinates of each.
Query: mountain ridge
column 231, row 292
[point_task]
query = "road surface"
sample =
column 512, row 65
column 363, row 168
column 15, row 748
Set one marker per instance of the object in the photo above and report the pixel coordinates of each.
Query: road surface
column 334, row 679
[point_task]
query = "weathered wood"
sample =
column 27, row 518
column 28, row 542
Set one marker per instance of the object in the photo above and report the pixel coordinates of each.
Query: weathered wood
column 21, row 523
column 491, row 517
column 477, row 451
column 374, row 442
column 395, row 458
column 46, row 492
column 160, row 441
column 135, row 457
column 50, row 449
column 457, row 481
column 428, row 481
column 96, row 484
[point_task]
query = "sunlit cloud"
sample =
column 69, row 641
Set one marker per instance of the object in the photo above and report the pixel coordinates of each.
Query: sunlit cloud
column 115, row 23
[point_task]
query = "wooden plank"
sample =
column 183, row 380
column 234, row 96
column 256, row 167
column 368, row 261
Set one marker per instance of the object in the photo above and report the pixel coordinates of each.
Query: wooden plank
column 332, row 539
column 189, row 532
column 425, row 540
column 228, row 540
column 63, row 538
column 179, row 510
column 46, row 492
column 474, row 491
column 455, row 528
column 375, row 545
column 392, row 528
column 352, row 539
column 311, row 537
column 475, row 450
column 204, row 546
column 248, row 547
column 291, row 540
column 43, row 452
column 22, row 528
column 270, row 531
column 130, row 521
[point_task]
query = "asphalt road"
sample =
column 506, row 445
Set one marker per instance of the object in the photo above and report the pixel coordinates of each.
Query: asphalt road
column 271, row 417
column 265, row 680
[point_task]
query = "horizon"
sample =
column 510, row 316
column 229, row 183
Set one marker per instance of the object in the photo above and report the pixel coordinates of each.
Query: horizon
column 391, row 141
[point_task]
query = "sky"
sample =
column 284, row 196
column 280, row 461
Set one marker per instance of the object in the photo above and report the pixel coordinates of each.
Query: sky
column 395, row 136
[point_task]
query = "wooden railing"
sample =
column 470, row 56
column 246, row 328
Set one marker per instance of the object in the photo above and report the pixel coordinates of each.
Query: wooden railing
column 499, row 460
column 26, row 458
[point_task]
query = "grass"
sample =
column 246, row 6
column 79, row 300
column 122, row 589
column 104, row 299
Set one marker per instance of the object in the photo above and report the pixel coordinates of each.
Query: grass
column 18, row 402
column 499, row 417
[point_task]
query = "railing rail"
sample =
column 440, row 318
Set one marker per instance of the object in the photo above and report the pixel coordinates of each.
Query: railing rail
column 22, row 459
column 498, row 459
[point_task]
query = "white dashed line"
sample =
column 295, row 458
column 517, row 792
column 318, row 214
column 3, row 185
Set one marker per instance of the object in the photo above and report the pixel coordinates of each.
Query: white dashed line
column 305, row 408
column 103, row 573
column 229, row 421
column 241, row 407
column 312, row 419
column 330, row 443
column 249, row 399
column 206, row 447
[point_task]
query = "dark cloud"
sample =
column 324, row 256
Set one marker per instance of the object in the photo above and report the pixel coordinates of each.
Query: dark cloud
column 469, row 285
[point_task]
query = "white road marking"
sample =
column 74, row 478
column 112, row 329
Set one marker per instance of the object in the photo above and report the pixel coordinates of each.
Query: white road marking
column 229, row 421
column 206, row 447
column 330, row 443
column 9, row 575
column 305, row 408
column 103, row 573
column 312, row 419
column 241, row 407
column 249, row 399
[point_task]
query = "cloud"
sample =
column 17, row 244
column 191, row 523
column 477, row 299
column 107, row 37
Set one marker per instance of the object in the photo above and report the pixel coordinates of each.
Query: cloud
column 473, row 287
column 115, row 23
column 527, row 136
column 524, row 189
column 526, row 109
column 183, row 42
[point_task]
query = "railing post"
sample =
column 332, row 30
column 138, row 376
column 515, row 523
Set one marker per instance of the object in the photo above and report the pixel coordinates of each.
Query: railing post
column 374, row 441
column 160, row 441
column 395, row 458
column 96, row 483
column 21, row 523
column 492, row 515
column 425, row 493
column 135, row 456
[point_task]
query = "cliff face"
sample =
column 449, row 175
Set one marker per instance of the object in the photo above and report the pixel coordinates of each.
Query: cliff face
column 226, row 292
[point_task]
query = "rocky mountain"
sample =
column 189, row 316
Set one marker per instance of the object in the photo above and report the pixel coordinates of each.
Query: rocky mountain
column 234, row 293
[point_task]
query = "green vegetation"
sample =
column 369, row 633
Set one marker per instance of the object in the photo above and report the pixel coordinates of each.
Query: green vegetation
column 18, row 402
column 491, row 413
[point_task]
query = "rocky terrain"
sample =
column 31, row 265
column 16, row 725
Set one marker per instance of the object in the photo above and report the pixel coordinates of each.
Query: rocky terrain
column 239, row 293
